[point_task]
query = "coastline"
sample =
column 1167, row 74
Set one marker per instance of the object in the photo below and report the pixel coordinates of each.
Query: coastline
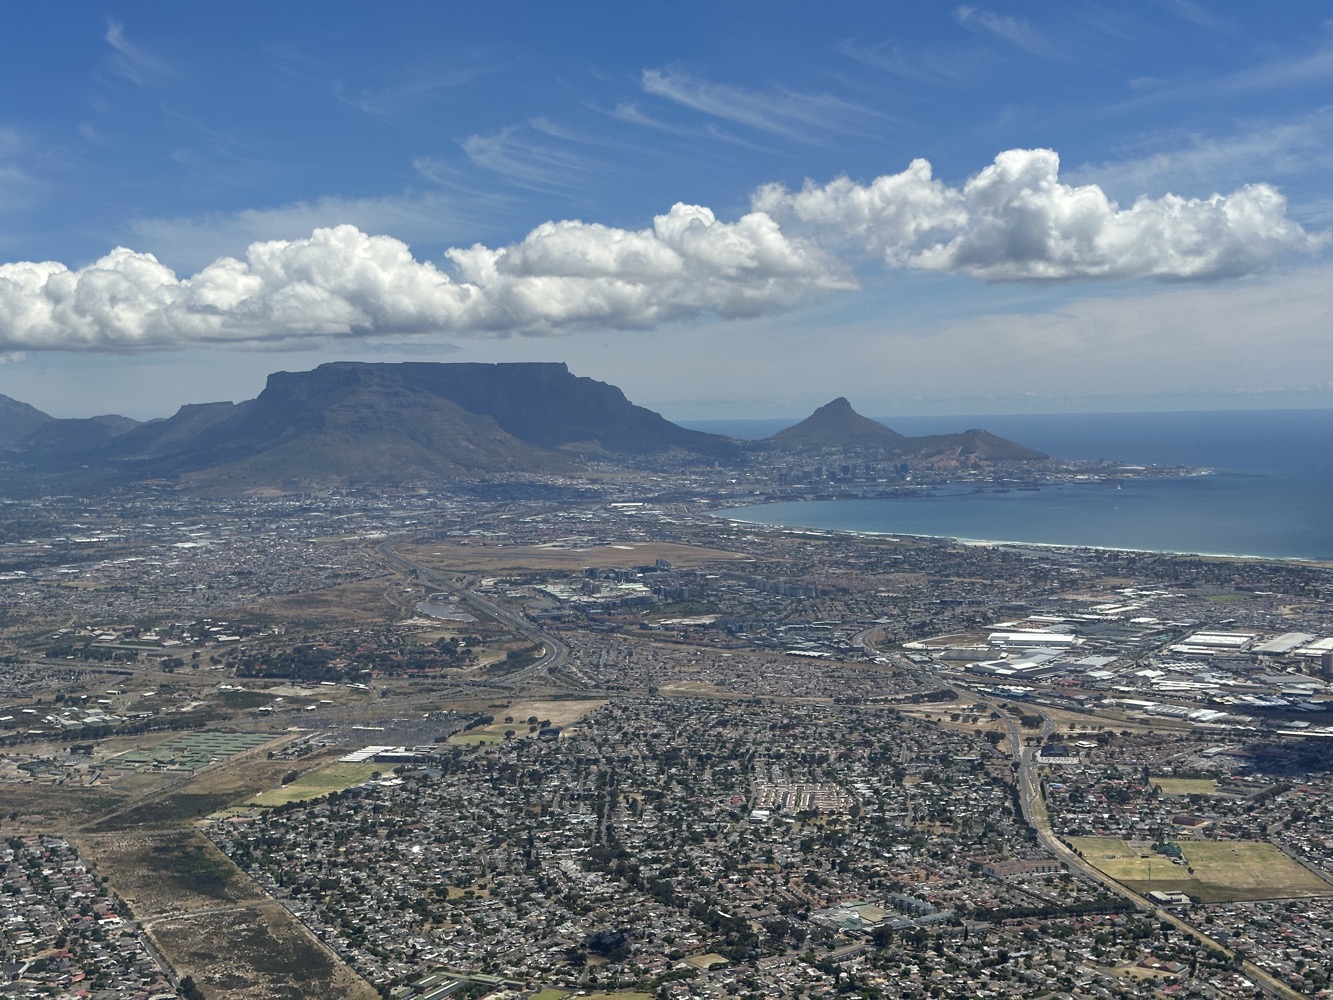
column 730, row 516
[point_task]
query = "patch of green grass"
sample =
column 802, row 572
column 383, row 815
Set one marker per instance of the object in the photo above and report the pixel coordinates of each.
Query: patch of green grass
column 316, row 784
column 706, row 962
column 494, row 733
column 1215, row 871
column 245, row 699
column 1186, row 786
column 1247, row 868
column 1094, row 848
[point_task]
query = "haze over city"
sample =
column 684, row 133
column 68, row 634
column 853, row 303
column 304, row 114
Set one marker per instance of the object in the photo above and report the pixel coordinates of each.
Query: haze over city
column 734, row 210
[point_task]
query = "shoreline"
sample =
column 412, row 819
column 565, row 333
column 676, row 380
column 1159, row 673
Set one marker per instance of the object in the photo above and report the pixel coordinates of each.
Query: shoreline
column 729, row 516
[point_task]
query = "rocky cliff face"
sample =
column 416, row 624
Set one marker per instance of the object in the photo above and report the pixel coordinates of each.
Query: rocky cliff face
column 545, row 405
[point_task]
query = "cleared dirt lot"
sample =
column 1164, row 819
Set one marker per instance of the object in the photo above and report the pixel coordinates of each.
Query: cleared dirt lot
column 210, row 921
column 256, row 953
column 364, row 602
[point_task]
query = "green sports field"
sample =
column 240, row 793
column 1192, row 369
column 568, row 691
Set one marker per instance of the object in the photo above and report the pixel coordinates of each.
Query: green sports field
column 318, row 783
column 1224, row 870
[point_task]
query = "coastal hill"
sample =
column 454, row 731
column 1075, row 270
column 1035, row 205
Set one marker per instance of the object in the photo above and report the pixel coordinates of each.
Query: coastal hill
column 347, row 422
column 836, row 426
column 977, row 445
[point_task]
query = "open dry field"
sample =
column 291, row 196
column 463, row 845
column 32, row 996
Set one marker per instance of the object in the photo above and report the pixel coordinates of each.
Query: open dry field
column 694, row 689
column 212, row 922
column 1223, row 871
column 257, row 952
column 558, row 712
column 207, row 917
column 615, row 555
column 347, row 605
column 179, row 871
column 706, row 962
column 205, row 794
column 43, row 807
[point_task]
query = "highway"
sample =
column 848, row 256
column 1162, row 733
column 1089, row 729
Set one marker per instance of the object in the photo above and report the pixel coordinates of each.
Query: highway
column 1033, row 806
column 554, row 652
column 1034, row 812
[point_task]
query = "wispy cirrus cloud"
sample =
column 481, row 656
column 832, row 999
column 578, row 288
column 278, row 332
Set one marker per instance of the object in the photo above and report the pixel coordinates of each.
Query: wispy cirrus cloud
column 1171, row 160
column 525, row 156
column 415, row 88
column 18, row 183
column 1018, row 32
column 913, row 63
column 802, row 116
column 131, row 61
column 632, row 114
column 1288, row 71
column 1291, row 71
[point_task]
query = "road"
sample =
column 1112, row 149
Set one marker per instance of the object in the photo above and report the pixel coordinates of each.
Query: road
column 1033, row 806
column 1034, row 812
column 554, row 651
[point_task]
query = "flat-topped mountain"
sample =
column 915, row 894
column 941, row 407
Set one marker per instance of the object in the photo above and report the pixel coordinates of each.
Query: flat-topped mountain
column 350, row 422
column 354, row 425
column 354, row 422
column 540, row 403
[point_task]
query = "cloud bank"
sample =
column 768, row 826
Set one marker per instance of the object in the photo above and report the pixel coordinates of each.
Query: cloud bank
column 341, row 282
column 1015, row 220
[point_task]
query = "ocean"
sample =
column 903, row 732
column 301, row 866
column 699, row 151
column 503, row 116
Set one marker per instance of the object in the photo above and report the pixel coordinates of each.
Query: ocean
column 1269, row 492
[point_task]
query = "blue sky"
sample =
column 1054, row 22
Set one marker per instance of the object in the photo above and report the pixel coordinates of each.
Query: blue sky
column 728, row 209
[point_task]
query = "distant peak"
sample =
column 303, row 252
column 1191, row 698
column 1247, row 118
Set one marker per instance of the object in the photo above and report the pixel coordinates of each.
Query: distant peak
column 836, row 425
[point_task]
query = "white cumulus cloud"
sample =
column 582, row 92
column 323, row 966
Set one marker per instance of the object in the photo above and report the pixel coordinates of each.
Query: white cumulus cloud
column 1016, row 220
column 895, row 215
column 340, row 281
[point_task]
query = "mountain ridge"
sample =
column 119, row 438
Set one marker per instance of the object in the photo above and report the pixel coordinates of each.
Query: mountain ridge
column 347, row 422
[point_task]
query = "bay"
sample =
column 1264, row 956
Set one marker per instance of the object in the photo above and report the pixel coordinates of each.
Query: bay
column 1269, row 494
